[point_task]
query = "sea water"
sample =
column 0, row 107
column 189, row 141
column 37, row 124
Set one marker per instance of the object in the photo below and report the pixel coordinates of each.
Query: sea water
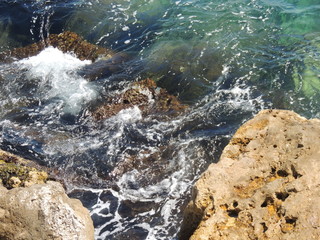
column 225, row 59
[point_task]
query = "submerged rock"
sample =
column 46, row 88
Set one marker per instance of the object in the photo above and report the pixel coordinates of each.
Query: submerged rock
column 152, row 165
column 104, row 68
column 265, row 186
column 186, row 67
column 306, row 75
column 39, row 210
column 145, row 95
column 66, row 42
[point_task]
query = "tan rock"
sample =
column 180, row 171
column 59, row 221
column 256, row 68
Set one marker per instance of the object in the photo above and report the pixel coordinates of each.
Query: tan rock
column 35, row 208
column 14, row 182
column 265, row 186
column 43, row 211
column 35, row 177
column 16, row 171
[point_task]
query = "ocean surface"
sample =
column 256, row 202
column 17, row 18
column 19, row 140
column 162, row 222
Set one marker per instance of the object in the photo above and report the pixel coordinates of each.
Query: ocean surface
column 225, row 59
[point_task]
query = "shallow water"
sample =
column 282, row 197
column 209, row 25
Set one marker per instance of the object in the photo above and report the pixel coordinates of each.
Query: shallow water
column 225, row 59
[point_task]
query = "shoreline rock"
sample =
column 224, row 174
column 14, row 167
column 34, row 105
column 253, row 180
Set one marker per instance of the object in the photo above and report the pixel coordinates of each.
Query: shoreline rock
column 33, row 208
column 265, row 186
column 18, row 172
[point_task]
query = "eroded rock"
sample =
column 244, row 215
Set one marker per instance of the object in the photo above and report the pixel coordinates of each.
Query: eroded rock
column 43, row 211
column 66, row 42
column 265, row 186
column 33, row 208
column 146, row 95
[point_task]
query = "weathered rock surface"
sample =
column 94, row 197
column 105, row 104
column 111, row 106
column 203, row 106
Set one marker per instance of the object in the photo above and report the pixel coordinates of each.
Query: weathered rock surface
column 17, row 172
column 265, row 186
column 40, row 209
column 145, row 95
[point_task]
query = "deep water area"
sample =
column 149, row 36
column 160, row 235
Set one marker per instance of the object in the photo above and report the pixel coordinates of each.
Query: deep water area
column 224, row 59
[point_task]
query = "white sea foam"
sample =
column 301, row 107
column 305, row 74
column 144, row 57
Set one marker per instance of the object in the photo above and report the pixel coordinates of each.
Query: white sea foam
column 129, row 115
column 56, row 72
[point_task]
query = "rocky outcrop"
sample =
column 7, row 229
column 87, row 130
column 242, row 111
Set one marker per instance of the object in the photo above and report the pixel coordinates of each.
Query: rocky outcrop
column 42, row 211
column 146, row 95
column 265, row 186
column 18, row 172
column 66, row 42
column 39, row 210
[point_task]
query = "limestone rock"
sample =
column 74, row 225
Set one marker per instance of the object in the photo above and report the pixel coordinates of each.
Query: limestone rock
column 43, row 211
column 265, row 186
column 33, row 208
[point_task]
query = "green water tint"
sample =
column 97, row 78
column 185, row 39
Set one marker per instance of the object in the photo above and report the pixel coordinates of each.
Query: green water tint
column 106, row 21
column 187, row 46
column 306, row 76
column 300, row 17
column 202, row 40
column 300, row 25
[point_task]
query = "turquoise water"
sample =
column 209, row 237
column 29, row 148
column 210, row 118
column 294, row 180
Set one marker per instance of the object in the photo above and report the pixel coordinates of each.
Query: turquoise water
column 225, row 59
column 273, row 45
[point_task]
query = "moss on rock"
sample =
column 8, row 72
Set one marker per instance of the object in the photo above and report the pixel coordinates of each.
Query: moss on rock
column 18, row 172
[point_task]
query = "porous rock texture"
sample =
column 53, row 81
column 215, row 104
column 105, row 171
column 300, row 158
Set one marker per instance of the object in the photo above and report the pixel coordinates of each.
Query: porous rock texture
column 42, row 211
column 33, row 208
column 265, row 186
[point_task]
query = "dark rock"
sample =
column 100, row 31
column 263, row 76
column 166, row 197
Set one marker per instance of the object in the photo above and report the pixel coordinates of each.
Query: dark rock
column 135, row 233
column 144, row 94
column 66, row 42
column 151, row 163
column 98, row 220
column 88, row 198
column 129, row 209
column 107, row 196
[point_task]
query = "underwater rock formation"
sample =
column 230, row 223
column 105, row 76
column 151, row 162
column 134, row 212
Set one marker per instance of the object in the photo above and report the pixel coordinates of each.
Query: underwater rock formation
column 66, row 42
column 265, row 186
column 146, row 95
column 306, row 75
column 105, row 67
column 39, row 210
